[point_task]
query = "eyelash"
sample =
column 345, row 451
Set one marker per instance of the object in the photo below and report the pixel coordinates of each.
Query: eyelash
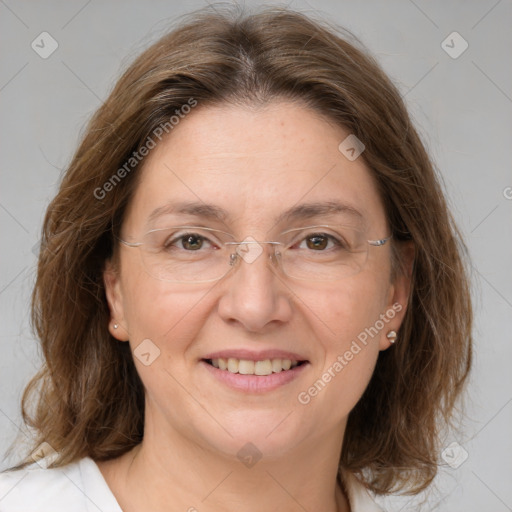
column 337, row 243
column 169, row 244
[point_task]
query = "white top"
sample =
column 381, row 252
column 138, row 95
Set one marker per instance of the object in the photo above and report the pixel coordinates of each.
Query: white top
column 80, row 487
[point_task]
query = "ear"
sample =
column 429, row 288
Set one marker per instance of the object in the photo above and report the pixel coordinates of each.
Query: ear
column 114, row 296
column 399, row 292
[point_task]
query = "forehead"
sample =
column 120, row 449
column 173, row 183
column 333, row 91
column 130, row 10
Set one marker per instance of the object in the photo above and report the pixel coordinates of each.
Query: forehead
column 254, row 165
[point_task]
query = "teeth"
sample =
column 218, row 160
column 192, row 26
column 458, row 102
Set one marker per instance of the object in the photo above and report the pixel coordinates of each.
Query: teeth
column 233, row 365
column 247, row 367
column 263, row 367
column 276, row 365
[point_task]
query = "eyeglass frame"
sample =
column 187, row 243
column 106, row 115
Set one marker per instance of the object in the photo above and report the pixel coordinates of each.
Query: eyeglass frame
column 234, row 256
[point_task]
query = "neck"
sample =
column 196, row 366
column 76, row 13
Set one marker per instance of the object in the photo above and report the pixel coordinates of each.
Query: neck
column 177, row 474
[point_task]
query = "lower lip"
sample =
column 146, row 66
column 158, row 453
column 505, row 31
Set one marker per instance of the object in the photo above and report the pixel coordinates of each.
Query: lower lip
column 255, row 383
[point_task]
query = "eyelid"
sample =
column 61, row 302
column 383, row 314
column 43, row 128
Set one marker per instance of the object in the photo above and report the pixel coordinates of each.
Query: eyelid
column 210, row 236
column 194, row 229
column 302, row 228
column 190, row 228
column 319, row 227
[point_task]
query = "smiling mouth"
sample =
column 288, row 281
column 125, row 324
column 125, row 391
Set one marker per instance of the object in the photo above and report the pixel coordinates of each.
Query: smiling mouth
column 248, row 367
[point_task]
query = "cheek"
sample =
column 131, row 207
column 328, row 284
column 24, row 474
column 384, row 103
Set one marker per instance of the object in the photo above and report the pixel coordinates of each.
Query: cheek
column 346, row 311
column 346, row 377
column 347, row 319
column 169, row 317
column 160, row 311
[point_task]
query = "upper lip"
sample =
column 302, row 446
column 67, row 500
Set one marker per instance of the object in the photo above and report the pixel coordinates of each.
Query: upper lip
column 252, row 355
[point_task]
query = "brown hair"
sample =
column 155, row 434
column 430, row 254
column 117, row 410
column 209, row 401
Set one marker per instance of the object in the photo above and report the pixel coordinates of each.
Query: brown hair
column 90, row 400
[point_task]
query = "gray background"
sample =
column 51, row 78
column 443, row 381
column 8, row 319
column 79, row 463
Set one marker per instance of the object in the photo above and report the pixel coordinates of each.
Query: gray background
column 461, row 106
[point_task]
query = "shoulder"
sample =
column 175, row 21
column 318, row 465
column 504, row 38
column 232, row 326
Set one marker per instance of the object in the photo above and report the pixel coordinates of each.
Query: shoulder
column 359, row 498
column 78, row 486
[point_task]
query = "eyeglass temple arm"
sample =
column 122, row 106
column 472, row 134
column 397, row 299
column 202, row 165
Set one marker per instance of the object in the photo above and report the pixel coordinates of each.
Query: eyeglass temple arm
column 378, row 243
column 129, row 244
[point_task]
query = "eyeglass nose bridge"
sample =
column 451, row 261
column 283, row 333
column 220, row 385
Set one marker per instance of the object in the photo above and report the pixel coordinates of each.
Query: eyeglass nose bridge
column 251, row 256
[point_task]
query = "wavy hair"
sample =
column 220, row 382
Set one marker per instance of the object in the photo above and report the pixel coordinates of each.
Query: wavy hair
column 88, row 400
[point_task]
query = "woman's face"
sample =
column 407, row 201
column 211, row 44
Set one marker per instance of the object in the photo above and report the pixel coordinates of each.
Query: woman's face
column 254, row 164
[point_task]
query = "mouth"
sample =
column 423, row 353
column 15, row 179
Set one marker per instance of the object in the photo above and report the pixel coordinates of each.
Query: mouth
column 262, row 368
column 254, row 373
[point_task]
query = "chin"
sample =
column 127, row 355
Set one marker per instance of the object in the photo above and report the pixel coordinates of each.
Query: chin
column 265, row 433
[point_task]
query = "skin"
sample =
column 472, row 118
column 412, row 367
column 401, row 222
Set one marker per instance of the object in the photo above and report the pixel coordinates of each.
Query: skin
column 245, row 159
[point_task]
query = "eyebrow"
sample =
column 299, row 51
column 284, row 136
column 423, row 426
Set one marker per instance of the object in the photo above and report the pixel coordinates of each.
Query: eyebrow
column 303, row 211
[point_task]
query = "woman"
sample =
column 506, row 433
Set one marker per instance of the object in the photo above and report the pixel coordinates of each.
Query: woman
column 250, row 291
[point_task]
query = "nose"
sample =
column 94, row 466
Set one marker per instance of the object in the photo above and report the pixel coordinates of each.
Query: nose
column 254, row 294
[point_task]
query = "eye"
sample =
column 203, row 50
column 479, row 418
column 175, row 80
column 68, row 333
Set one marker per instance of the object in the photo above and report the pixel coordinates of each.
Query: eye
column 187, row 241
column 320, row 242
column 317, row 242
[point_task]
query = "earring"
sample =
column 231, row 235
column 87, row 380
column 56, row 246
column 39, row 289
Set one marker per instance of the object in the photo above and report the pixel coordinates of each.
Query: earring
column 116, row 326
column 391, row 336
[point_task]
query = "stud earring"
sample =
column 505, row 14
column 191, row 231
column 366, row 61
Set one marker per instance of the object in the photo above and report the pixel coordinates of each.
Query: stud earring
column 391, row 336
column 116, row 326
